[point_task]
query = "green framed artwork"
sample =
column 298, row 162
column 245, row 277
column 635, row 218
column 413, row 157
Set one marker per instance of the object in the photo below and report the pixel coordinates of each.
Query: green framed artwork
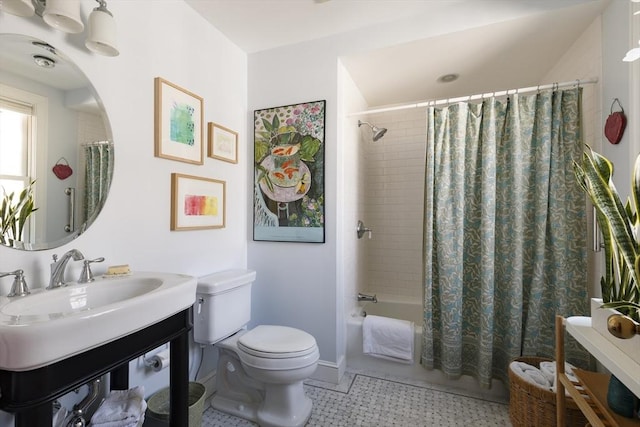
column 179, row 128
column 289, row 173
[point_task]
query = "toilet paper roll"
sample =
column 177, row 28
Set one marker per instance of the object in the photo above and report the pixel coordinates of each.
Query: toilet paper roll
column 159, row 361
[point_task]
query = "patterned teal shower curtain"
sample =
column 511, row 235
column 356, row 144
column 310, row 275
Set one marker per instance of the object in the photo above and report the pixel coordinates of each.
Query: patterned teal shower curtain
column 504, row 232
column 98, row 173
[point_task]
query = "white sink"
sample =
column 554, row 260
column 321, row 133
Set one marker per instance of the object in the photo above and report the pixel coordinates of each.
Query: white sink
column 47, row 326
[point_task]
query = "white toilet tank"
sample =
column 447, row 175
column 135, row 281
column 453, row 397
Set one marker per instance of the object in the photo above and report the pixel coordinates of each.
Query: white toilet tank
column 223, row 305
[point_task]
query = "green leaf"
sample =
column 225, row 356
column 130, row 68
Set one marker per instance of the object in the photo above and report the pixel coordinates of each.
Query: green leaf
column 619, row 224
column 264, row 175
column 267, row 126
column 261, row 150
column 14, row 214
column 309, row 146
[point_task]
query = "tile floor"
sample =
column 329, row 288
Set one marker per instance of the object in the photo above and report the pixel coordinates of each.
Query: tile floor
column 367, row 399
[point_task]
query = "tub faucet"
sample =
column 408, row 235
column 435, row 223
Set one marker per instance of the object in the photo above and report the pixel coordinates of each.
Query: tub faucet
column 365, row 297
column 58, row 267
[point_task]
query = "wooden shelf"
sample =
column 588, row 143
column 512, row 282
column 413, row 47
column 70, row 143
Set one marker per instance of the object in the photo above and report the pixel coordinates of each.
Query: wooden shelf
column 596, row 385
column 593, row 400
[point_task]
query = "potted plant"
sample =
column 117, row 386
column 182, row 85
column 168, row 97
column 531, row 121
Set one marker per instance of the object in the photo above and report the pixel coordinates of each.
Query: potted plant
column 14, row 214
column 620, row 226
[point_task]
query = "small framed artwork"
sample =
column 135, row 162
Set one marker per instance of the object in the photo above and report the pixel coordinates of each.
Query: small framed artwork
column 179, row 132
column 197, row 203
column 223, row 143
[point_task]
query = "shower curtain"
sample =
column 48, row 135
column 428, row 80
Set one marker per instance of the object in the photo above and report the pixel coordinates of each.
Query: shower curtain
column 98, row 170
column 504, row 232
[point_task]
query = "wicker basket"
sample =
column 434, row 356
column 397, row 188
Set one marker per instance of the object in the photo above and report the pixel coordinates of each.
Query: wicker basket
column 531, row 406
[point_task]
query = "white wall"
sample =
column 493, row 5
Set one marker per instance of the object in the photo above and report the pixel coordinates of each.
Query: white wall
column 297, row 283
column 168, row 39
column 616, row 84
column 351, row 194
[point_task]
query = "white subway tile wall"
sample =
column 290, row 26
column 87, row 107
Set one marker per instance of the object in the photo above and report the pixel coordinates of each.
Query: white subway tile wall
column 393, row 203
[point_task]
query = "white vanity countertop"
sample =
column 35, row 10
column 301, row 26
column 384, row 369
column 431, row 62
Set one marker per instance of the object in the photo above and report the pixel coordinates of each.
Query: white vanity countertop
column 617, row 362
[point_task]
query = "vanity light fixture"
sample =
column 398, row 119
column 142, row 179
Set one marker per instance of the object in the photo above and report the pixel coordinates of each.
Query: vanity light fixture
column 634, row 53
column 64, row 15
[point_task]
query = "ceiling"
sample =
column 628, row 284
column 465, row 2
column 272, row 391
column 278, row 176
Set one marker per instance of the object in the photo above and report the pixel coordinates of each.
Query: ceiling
column 408, row 44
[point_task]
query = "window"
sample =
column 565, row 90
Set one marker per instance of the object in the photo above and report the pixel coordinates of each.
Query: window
column 15, row 140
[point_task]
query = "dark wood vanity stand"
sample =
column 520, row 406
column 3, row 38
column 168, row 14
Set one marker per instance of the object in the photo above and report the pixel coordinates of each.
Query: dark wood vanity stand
column 30, row 394
column 592, row 400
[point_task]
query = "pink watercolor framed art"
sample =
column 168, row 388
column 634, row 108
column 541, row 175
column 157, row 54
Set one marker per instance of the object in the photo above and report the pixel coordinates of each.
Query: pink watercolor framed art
column 197, row 203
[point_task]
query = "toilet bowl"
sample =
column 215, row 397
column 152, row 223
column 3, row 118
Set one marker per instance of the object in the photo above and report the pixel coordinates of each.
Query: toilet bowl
column 260, row 372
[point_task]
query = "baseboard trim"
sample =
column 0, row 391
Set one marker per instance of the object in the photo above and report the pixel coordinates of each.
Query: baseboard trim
column 209, row 381
column 330, row 372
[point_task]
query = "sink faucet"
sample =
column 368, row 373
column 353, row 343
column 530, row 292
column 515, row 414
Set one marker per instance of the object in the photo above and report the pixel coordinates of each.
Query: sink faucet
column 19, row 287
column 59, row 265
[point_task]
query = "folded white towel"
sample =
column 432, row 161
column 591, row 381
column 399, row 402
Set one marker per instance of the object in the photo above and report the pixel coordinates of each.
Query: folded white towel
column 121, row 408
column 388, row 338
column 548, row 369
column 530, row 374
column 60, row 417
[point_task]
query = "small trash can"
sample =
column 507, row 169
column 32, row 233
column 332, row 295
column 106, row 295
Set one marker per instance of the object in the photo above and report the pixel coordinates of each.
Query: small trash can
column 157, row 414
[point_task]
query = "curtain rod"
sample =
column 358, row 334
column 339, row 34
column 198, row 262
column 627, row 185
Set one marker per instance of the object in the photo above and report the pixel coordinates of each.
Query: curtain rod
column 447, row 101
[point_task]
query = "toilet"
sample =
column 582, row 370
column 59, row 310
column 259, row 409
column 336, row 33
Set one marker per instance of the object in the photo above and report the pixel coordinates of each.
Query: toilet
column 260, row 372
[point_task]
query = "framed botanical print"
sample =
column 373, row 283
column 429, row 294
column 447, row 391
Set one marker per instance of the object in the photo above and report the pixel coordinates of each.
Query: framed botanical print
column 289, row 173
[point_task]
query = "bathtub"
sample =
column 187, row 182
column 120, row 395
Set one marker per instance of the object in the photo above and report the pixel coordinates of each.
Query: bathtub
column 396, row 308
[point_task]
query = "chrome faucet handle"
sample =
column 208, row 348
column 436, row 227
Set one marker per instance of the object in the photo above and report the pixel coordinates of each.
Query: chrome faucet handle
column 87, row 275
column 19, row 287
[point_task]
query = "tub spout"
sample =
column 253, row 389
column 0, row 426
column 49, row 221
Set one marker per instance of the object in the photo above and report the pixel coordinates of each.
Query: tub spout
column 365, row 297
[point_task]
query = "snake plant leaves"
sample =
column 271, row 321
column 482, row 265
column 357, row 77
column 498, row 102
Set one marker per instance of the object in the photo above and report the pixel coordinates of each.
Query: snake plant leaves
column 14, row 214
column 619, row 224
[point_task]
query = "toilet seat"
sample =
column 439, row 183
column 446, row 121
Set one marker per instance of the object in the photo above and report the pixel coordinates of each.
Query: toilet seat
column 277, row 342
column 277, row 348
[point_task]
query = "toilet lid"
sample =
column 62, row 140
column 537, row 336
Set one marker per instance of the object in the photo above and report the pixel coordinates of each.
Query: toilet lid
column 277, row 342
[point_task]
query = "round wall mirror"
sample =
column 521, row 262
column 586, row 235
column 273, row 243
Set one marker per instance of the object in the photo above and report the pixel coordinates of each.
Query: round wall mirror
column 56, row 147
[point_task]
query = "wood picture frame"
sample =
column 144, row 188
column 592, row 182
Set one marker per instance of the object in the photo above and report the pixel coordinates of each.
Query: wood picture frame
column 222, row 143
column 197, row 203
column 179, row 123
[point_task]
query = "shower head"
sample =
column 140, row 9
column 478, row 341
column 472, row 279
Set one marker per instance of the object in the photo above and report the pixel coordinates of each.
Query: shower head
column 377, row 132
